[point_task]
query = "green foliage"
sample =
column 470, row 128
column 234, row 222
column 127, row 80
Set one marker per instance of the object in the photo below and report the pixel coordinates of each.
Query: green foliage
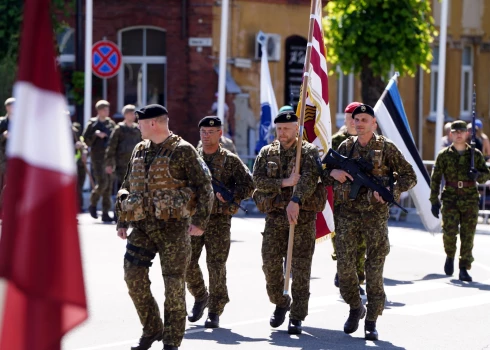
column 8, row 71
column 78, row 81
column 375, row 34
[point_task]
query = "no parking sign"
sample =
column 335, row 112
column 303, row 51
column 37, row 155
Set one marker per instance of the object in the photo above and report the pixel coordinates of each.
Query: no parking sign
column 106, row 59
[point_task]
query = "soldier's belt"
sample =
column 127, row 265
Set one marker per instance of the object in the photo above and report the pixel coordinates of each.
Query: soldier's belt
column 461, row 184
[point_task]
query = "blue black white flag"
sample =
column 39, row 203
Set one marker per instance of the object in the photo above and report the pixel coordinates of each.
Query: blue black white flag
column 268, row 104
column 393, row 123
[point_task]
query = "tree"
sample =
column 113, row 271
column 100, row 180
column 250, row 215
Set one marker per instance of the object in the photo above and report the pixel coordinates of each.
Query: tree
column 371, row 37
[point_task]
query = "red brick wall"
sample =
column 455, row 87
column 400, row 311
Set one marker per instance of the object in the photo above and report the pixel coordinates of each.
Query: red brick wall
column 191, row 80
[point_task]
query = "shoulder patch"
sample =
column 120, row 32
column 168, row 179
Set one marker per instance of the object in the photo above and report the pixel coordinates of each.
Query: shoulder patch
column 204, row 166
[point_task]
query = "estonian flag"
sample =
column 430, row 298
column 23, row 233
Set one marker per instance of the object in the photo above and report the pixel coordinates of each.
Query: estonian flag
column 393, row 123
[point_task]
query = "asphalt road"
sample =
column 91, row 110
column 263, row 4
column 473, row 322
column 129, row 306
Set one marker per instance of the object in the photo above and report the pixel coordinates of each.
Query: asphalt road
column 425, row 308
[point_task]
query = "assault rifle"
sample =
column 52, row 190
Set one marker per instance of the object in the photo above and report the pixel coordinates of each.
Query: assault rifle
column 98, row 125
column 219, row 187
column 359, row 170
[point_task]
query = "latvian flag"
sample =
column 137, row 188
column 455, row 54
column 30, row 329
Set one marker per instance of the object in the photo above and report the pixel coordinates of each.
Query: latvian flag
column 393, row 123
column 318, row 129
column 42, row 293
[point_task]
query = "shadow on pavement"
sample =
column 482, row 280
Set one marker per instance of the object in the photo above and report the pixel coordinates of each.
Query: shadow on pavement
column 390, row 282
column 220, row 336
column 432, row 276
column 323, row 339
column 475, row 285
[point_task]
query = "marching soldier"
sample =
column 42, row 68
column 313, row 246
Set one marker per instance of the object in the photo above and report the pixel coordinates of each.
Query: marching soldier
column 123, row 138
column 366, row 215
column 4, row 135
column 96, row 136
column 81, row 160
column 228, row 171
column 274, row 178
column 348, row 130
column 166, row 197
column 459, row 197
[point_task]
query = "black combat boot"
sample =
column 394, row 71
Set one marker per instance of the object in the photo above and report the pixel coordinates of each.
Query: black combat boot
column 355, row 316
column 93, row 211
column 295, row 327
column 464, row 275
column 449, row 266
column 212, row 321
column 279, row 315
column 370, row 332
column 145, row 342
column 106, row 217
column 361, row 290
column 198, row 309
column 170, row 347
column 336, row 280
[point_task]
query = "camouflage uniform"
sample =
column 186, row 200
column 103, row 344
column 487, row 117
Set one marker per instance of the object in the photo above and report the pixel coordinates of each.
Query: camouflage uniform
column 225, row 142
column 121, row 144
column 81, row 172
column 159, row 208
column 4, row 126
column 235, row 176
column 98, row 147
column 460, row 205
column 366, row 216
column 337, row 139
column 273, row 164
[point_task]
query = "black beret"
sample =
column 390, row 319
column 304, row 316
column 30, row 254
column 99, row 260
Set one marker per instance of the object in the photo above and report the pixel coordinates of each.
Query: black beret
column 151, row 111
column 210, row 121
column 363, row 109
column 286, row 117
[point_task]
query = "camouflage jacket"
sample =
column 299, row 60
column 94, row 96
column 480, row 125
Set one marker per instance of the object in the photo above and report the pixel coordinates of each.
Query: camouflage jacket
column 391, row 164
column 339, row 137
column 96, row 144
column 121, row 144
column 228, row 169
column 4, row 126
column 185, row 164
column 268, row 179
column 455, row 167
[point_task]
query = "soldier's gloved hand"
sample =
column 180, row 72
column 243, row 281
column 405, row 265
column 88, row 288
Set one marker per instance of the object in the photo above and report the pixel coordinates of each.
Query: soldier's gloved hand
column 473, row 174
column 435, row 210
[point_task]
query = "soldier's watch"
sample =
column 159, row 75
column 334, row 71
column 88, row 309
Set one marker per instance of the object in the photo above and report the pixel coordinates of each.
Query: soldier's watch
column 295, row 199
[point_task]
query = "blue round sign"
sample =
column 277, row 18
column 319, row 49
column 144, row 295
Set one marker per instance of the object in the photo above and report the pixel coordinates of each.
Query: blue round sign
column 106, row 59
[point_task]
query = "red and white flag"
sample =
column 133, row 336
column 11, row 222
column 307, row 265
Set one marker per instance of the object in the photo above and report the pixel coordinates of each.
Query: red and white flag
column 40, row 264
column 318, row 128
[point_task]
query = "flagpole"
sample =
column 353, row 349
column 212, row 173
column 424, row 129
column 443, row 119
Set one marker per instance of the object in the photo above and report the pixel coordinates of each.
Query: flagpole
column 87, row 100
column 223, row 49
column 300, row 137
column 441, row 78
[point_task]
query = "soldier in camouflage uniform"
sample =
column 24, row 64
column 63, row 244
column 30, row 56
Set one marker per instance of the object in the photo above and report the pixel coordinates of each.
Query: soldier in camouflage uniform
column 166, row 184
column 367, row 215
column 348, row 130
column 227, row 169
column 96, row 136
column 4, row 134
column 81, row 159
column 123, row 138
column 274, row 179
column 459, row 197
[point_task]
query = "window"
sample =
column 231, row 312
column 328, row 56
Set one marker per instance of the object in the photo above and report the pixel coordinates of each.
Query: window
column 66, row 62
column 143, row 78
column 434, row 76
column 466, row 81
column 345, row 94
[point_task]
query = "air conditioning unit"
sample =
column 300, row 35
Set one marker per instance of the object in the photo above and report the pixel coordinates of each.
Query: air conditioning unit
column 272, row 44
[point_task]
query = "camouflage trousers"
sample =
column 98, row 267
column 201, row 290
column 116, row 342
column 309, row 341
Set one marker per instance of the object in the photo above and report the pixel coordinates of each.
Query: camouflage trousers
column 349, row 226
column 103, row 187
column 274, row 250
column 216, row 239
column 81, row 174
column 361, row 253
column 460, row 216
column 172, row 243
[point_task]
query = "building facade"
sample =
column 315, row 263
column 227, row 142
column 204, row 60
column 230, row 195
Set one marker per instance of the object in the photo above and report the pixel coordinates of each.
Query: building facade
column 166, row 59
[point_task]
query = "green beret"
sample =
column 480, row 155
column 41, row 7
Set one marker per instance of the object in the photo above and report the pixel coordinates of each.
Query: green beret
column 210, row 121
column 458, row 125
column 363, row 109
column 151, row 111
column 286, row 117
